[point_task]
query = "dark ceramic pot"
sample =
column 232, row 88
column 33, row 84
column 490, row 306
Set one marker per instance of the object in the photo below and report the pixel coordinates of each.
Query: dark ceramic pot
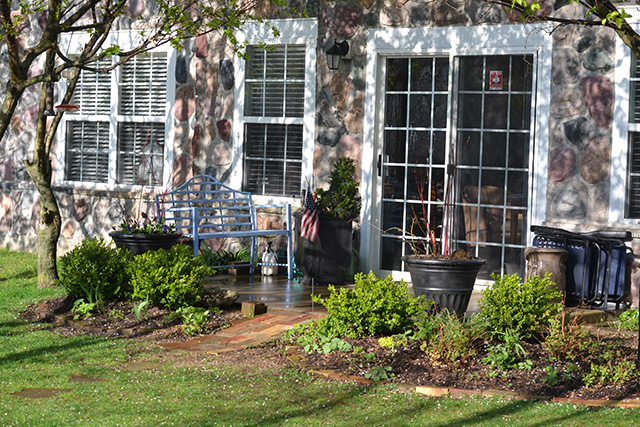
column 329, row 258
column 139, row 243
column 448, row 282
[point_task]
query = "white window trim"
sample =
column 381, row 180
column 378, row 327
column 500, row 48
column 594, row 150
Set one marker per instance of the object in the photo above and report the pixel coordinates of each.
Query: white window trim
column 621, row 128
column 451, row 41
column 292, row 31
column 72, row 44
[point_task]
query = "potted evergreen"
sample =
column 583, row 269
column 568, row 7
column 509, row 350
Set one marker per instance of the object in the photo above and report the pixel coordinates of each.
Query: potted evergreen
column 328, row 258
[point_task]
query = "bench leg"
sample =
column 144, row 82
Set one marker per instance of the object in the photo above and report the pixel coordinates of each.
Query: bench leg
column 254, row 245
column 289, row 256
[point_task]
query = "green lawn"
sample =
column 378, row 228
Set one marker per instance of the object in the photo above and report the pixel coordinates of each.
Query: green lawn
column 208, row 394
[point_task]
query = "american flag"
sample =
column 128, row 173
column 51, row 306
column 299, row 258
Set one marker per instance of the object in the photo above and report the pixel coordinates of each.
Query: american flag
column 310, row 221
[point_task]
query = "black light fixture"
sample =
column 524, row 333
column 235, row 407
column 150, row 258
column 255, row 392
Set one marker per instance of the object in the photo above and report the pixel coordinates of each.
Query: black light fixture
column 336, row 52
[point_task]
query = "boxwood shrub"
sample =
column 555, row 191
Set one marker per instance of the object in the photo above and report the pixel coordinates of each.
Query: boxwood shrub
column 172, row 278
column 95, row 271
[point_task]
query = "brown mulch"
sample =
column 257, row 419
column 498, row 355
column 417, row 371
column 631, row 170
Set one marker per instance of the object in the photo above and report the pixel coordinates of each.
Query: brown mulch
column 409, row 365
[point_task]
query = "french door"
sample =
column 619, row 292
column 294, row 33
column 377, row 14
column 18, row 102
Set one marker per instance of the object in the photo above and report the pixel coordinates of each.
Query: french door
column 457, row 128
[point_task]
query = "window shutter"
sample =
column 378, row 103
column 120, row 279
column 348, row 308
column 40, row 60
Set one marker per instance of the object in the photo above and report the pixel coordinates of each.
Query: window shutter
column 634, row 91
column 143, row 84
column 87, row 151
column 140, row 153
column 633, row 185
column 93, row 91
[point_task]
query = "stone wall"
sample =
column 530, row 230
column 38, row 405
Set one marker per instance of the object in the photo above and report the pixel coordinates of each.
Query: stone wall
column 580, row 120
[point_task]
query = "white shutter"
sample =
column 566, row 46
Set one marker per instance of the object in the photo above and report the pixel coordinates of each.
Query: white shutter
column 87, row 151
column 143, row 85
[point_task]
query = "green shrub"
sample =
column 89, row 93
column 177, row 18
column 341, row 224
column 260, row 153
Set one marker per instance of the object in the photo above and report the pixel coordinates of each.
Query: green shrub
column 374, row 307
column 510, row 304
column 95, row 271
column 194, row 319
column 629, row 320
column 168, row 278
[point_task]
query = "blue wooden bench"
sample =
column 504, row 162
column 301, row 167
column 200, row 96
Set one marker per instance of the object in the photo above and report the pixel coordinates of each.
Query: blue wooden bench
column 204, row 208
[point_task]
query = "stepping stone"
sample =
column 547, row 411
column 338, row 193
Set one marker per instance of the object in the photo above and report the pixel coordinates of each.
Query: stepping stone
column 40, row 393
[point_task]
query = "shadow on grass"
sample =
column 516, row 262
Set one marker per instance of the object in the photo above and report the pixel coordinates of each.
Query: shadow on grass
column 508, row 408
column 37, row 353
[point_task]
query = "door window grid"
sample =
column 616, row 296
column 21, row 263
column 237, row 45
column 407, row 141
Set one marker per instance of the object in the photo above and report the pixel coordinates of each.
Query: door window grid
column 499, row 208
column 395, row 202
column 406, row 167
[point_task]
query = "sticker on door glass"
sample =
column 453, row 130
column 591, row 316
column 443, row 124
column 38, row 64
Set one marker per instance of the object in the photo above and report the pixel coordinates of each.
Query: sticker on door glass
column 495, row 80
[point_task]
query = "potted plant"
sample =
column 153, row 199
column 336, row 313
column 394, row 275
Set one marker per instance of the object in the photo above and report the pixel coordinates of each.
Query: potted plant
column 331, row 255
column 438, row 271
column 146, row 234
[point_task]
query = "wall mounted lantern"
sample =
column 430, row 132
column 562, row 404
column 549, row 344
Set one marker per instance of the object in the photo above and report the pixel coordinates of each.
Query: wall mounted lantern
column 336, row 52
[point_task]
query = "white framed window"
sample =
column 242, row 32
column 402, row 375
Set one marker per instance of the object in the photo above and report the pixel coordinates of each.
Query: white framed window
column 274, row 115
column 624, row 204
column 122, row 133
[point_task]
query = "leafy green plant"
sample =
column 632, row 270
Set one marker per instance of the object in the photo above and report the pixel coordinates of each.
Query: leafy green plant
column 342, row 199
column 140, row 310
column 194, row 319
column 614, row 371
column 452, row 339
column 393, row 342
column 169, row 278
column 316, row 337
column 146, row 225
column 525, row 308
column 116, row 314
column 566, row 339
column 374, row 307
column 82, row 309
column 223, row 257
column 629, row 320
column 551, row 377
column 379, row 373
column 503, row 356
column 95, row 271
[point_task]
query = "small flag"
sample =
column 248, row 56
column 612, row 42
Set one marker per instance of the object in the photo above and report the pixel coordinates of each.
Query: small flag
column 310, row 221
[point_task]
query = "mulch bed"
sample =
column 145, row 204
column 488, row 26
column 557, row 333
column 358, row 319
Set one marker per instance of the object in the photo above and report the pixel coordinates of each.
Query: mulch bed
column 409, row 364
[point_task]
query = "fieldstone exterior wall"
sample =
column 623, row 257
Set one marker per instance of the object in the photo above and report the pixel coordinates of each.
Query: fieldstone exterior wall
column 582, row 95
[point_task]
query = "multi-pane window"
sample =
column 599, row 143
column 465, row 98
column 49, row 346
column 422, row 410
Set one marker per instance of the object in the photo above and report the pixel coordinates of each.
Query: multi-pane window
column 632, row 205
column 274, row 110
column 119, row 128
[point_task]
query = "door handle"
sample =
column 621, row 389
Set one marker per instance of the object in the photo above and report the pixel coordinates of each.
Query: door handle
column 379, row 164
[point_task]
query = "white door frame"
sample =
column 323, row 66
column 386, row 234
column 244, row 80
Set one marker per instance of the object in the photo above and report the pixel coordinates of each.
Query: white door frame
column 452, row 41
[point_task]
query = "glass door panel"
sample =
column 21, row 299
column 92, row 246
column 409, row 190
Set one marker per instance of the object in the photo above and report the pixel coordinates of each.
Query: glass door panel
column 491, row 137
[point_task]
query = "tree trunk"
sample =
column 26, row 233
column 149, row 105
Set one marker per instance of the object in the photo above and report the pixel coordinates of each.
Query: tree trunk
column 48, row 229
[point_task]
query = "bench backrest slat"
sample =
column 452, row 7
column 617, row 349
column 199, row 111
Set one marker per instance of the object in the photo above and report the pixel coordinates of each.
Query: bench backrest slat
column 217, row 206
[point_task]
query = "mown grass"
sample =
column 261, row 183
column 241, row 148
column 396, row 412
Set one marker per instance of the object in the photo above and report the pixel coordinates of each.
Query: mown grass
column 32, row 356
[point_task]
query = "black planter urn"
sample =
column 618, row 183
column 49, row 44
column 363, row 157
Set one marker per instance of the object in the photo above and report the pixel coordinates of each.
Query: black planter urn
column 139, row 243
column 448, row 282
column 329, row 258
